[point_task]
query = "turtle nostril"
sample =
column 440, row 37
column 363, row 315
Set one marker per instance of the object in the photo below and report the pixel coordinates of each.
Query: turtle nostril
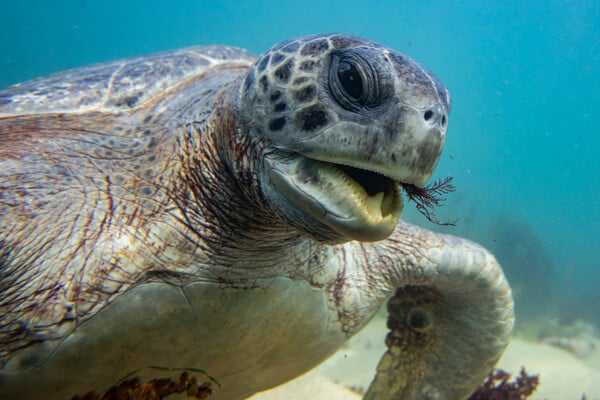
column 435, row 115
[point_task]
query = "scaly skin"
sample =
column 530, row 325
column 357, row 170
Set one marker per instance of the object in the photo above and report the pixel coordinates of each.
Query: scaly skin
column 151, row 234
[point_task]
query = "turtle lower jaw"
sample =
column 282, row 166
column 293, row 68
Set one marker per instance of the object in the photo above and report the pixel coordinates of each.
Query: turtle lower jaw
column 356, row 203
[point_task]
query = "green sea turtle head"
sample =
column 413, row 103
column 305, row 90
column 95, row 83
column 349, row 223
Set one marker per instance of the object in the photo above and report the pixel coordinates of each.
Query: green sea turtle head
column 345, row 122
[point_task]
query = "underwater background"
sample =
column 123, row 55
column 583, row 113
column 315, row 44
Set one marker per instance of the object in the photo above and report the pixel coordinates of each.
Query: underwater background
column 524, row 134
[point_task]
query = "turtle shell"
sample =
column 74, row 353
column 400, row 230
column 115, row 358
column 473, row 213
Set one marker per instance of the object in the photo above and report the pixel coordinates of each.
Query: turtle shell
column 117, row 85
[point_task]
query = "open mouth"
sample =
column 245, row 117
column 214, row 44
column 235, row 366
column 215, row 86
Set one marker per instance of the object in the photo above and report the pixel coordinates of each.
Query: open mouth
column 374, row 183
column 360, row 204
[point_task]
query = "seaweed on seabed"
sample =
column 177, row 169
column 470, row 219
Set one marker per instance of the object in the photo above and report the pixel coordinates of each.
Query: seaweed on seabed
column 155, row 389
column 497, row 387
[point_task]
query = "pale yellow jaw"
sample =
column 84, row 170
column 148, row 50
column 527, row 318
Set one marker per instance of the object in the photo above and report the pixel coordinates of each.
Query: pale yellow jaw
column 325, row 192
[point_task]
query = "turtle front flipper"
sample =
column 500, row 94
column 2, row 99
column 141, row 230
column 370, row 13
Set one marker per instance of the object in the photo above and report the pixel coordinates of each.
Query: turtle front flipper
column 449, row 319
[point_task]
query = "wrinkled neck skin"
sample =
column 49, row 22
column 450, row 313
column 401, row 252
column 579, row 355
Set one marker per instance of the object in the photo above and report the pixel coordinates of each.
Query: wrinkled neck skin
column 238, row 229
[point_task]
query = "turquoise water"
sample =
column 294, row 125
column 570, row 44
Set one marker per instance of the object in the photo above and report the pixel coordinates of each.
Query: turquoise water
column 524, row 137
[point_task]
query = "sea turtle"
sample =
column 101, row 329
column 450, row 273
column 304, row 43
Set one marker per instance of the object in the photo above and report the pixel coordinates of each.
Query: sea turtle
column 203, row 208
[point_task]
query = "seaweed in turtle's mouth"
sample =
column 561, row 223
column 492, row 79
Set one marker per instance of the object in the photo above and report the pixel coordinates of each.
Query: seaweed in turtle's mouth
column 426, row 198
column 429, row 197
column 372, row 182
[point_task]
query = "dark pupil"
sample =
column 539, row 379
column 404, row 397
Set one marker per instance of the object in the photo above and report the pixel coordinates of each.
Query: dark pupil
column 418, row 320
column 350, row 80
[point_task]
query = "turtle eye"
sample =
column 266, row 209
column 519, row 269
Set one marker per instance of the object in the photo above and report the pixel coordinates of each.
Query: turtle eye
column 351, row 80
column 419, row 320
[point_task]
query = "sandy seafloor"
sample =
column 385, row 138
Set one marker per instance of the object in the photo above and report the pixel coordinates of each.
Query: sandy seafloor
column 562, row 375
